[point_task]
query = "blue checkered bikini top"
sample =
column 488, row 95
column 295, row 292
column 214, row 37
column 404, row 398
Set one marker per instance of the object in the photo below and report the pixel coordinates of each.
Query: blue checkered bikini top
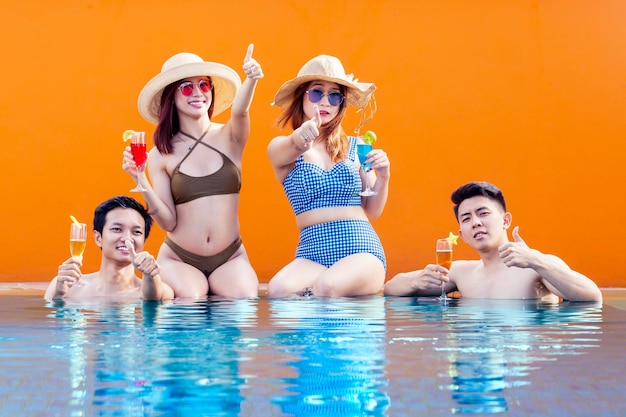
column 308, row 186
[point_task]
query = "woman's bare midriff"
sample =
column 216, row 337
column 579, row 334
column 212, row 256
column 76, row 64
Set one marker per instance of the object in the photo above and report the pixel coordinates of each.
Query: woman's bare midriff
column 329, row 214
column 209, row 227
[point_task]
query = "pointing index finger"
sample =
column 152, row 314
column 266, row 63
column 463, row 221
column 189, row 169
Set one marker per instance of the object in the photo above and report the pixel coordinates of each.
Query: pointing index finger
column 318, row 118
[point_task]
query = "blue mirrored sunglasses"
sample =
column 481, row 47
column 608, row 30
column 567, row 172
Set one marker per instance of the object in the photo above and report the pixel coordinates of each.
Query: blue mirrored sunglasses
column 334, row 99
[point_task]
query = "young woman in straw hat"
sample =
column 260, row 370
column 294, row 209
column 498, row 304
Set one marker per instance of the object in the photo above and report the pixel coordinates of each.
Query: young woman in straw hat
column 339, row 253
column 195, row 178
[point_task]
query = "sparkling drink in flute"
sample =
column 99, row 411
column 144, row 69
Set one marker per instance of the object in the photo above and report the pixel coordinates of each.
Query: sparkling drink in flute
column 444, row 258
column 78, row 238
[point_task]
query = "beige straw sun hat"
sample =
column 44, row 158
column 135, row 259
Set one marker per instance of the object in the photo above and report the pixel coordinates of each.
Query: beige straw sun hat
column 326, row 68
column 183, row 65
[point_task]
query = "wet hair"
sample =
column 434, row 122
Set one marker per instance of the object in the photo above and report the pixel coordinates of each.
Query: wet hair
column 474, row 189
column 169, row 123
column 337, row 143
column 100, row 214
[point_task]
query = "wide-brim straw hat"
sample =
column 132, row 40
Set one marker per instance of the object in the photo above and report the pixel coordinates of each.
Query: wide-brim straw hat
column 183, row 65
column 326, row 68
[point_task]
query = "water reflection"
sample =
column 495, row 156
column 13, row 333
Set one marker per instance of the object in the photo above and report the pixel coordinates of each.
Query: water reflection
column 338, row 356
column 495, row 345
column 179, row 358
column 352, row 357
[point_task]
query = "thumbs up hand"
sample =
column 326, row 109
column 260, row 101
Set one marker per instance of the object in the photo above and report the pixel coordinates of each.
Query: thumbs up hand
column 517, row 253
column 143, row 262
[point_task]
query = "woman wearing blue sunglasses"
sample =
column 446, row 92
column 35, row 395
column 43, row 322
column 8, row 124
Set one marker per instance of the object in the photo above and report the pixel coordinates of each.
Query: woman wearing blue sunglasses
column 339, row 253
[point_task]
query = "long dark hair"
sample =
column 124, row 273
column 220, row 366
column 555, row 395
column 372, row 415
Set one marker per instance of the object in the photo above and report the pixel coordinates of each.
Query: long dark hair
column 169, row 124
column 337, row 143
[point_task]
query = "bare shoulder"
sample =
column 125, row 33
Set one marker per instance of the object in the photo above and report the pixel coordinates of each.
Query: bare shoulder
column 464, row 266
column 159, row 164
column 223, row 137
column 89, row 277
column 219, row 131
column 465, row 272
column 155, row 157
column 154, row 152
column 282, row 154
column 277, row 141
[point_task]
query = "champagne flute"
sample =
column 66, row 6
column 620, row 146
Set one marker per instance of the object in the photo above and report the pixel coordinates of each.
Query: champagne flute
column 362, row 150
column 444, row 258
column 138, row 149
column 78, row 240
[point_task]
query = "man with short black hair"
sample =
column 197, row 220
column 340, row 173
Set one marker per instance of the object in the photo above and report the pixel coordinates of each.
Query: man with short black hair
column 506, row 270
column 121, row 226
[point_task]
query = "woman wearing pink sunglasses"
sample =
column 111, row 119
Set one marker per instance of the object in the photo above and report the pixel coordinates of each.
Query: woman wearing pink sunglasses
column 195, row 173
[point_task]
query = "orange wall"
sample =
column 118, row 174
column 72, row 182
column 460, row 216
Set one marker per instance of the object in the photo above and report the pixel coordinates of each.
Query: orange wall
column 526, row 94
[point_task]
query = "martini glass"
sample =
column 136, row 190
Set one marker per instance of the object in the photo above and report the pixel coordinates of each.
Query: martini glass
column 362, row 150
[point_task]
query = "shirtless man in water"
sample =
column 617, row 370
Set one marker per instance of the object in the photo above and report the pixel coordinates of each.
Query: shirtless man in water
column 506, row 270
column 121, row 226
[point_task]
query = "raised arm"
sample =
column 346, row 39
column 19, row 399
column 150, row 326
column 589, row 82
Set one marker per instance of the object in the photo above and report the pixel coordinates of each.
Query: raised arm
column 557, row 276
column 240, row 112
column 284, row 150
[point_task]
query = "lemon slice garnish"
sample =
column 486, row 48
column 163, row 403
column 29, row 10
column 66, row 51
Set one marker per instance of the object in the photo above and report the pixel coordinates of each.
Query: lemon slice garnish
column 128, row 134
column 369, row 137
column 452, row 238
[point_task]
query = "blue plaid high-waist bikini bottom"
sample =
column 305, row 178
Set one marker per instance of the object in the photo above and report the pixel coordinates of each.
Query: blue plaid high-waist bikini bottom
column 327, row 243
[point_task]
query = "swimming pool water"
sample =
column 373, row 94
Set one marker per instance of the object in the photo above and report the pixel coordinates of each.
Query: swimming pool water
column 374, row 356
